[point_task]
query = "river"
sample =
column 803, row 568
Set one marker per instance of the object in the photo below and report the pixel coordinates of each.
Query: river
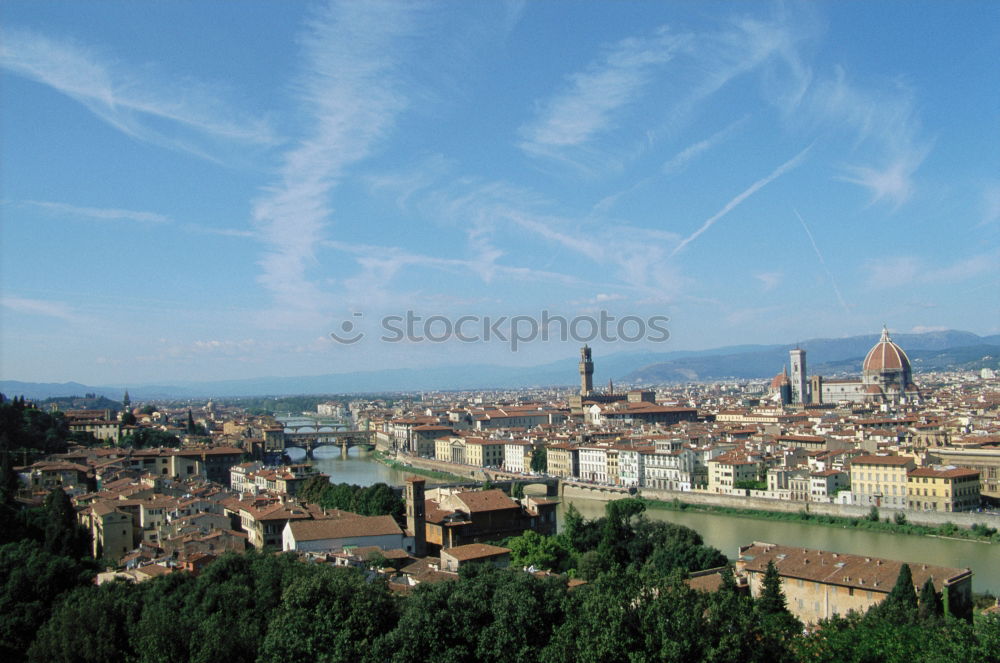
column 727, row 533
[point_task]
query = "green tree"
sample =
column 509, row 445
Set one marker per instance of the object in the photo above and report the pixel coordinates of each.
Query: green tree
column 33, row 581
column 551, row 553
column 63, row 534
column 539, row 460
column 145, row 438
column 777, row 623
column 771, row 600
column 331, row 616
column 91, row 624
column 900, row 606
column 931, row 608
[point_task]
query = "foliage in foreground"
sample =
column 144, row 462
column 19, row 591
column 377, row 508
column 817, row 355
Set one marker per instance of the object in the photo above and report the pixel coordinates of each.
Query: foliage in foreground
column 274, row 609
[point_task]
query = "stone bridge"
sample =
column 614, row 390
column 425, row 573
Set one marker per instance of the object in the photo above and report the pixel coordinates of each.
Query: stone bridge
column 344, row 439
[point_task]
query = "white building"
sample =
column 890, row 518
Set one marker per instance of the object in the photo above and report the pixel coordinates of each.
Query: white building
column 594, row 464
column 334, row 534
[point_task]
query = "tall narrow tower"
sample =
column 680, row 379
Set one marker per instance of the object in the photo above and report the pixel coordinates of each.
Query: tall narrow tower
column 800, row 392
column 586, row 371
column 416, row 521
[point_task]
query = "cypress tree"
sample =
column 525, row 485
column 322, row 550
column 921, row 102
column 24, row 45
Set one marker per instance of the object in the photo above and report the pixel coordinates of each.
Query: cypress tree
column 771, row 600
column 931, row 607
column 900, row 607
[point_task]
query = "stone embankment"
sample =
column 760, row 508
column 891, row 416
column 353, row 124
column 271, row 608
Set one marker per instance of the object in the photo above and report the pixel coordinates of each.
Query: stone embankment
column 590, row 491
column 701, row 498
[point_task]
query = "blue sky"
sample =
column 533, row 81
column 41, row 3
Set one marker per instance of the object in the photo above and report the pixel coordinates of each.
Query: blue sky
column 205, row 190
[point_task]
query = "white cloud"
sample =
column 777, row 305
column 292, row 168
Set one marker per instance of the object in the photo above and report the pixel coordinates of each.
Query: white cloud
column 592, row 98
column 99, row 213
column 990, row 204
column 883, row 118
column 40, row 307
column 130, row 103
column 679, row 162
column 352, row 96
column 769, row 280
column 891, row 272
column 735, row 202
column 907, row 270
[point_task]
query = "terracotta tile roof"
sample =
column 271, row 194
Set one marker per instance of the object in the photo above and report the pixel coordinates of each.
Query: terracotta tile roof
column 951, row 473
column 881, row 460
column 315, row 530
column 486, row 500
column 473, row 551
column 868, row 573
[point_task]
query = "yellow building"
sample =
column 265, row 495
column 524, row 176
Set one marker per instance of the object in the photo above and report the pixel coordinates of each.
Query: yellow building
column 562, row 460
column 942, row 489
column 480, row 452
column 880, row 480
column 474, row 451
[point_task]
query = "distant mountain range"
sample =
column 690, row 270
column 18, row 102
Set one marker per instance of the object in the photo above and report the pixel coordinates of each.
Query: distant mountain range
column 929, row 351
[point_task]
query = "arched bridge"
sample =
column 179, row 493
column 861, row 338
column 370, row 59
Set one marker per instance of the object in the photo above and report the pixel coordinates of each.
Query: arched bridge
column 344, row 439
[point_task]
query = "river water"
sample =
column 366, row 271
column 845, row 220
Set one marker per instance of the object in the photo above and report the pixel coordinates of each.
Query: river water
column 727, row 533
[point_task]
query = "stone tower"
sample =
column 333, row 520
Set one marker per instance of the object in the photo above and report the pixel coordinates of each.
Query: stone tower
column 800, row 390
column 415, row 515
column 586, row 371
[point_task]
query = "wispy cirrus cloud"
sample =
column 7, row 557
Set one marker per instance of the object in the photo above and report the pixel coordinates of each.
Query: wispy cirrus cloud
column 98, row 213
column 735, row 202
column 885, row 120
column 822, row 261
column 46, row 308
column 990, row 204
column 128, row 101
column 895, row 271
column 769, row 280
column 680, row 161
column 351, row 93
column 591, row 99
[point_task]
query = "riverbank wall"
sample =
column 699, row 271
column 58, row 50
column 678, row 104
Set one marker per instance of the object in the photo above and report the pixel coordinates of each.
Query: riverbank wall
column 930, row 518
column 573, row 489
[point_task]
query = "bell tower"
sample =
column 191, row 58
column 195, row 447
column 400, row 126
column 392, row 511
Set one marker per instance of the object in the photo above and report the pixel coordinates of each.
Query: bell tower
column 586, row 371
column 416, row 520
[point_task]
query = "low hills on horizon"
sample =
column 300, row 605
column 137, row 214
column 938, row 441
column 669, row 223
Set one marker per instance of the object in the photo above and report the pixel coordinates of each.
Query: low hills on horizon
column 929, row 351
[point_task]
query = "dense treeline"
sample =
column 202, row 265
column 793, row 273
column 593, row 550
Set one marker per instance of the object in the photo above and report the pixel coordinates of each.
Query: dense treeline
column 270, row 608
column 624, row 538
column 23, row 427
column 378, row 499
column 274, row 609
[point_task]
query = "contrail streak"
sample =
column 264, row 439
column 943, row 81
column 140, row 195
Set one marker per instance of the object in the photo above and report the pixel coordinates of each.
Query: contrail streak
column 819, row 255
column 732, row 204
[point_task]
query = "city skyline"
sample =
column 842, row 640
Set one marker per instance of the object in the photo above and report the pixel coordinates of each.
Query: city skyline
column 184, row 203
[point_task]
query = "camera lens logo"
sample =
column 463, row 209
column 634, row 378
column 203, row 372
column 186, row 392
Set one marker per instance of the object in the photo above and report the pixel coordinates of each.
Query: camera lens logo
column 347, row 334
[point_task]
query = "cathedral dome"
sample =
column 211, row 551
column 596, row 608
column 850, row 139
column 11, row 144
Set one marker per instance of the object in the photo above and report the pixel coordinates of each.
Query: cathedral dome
column 780, row 379
column 886, row 356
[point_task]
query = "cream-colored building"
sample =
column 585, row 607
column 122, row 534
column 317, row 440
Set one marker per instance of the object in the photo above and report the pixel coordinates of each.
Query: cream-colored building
column 942, row 489
column 474, row 451
column 562, row 460
column 111, row 530
column 819, row 584
column 727, row 469
column 880, row 480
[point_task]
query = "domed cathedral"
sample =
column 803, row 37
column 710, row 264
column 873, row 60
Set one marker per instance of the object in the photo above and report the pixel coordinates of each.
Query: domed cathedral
column 886, row 373
column 886, row 377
